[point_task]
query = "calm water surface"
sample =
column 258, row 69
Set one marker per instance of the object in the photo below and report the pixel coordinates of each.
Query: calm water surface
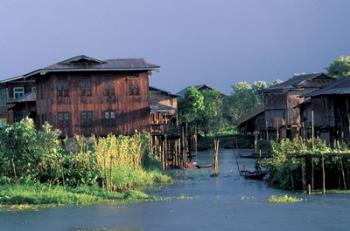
column 227, row 202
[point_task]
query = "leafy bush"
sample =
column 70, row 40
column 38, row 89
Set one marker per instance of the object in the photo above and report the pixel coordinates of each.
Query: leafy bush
column 29, row 156
column 283, row 161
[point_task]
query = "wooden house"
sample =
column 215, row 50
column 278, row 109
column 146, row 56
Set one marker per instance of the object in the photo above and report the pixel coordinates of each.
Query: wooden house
column 163, row 105
column 252, row 123
column 281, row 103
column 327, row 112
column 17, row 99
column 84, row 95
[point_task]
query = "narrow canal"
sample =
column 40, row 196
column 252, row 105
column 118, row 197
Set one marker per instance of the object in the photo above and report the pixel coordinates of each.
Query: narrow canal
column 227, row 202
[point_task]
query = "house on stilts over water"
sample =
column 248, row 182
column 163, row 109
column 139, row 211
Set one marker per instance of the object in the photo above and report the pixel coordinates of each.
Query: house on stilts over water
column 84, row 96
column 280, row 116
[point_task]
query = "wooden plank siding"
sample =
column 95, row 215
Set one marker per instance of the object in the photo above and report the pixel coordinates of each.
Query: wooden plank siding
column 131, row 111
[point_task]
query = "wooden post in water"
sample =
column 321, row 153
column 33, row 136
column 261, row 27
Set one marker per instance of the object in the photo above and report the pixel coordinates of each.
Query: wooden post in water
column 323, row 175
column 312, row 174
column 267, row 130
column 303, row 173
column 291, row 174
column 183, row 146
column 313, row 128
column 343, row 173
column 165, row 152
column 216, row 155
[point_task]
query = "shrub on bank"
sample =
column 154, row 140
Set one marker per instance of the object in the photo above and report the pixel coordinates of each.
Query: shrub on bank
column 113, row 162
column 284, row 162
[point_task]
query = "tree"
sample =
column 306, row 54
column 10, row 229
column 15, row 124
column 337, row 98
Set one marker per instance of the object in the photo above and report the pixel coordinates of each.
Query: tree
column 192, row 106
column 244, row 98
column 340, row 67
column 211, row 120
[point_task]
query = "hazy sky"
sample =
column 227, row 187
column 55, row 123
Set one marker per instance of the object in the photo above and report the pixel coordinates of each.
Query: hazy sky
column 217, row 42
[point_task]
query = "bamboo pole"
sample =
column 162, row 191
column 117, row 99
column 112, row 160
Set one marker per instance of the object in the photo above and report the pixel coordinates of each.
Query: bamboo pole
column 342, row 172
column 267, row 130
column 165, row 152
column 303, row 173
column 323, row 175
column 312, row 128
column 312, row 175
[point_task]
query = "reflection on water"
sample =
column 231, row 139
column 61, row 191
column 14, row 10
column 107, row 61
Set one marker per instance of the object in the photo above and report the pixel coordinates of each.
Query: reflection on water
column 227, row 202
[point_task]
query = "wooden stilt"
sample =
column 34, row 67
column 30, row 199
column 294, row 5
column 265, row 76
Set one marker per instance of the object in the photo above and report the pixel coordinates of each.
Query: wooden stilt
column 303, row 173
column 312, row 128
column 312, row 174
column 323, row 175
column 343, row 173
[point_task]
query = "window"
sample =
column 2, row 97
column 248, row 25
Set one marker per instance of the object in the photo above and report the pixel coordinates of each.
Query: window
column 18, row 92
column 63, row 119
column 109, row 118
column 86, row 118
column 85, row 87
column 62, row 89
column 108, row 87
column 134, row 88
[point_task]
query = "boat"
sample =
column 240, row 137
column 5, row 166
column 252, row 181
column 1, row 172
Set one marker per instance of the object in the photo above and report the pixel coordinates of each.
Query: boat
column 204, row 166
column 247, row 155
column 253, row 175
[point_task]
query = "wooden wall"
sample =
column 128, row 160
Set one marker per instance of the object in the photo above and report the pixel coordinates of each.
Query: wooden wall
column 132, row 111
column 28, row 87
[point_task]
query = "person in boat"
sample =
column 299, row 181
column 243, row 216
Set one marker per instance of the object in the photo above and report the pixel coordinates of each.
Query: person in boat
column 258, row 166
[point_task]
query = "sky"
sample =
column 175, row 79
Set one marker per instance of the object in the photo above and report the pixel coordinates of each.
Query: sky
column 216, row 42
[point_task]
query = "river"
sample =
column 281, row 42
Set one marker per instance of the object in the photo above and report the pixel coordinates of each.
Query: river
column 226, row 202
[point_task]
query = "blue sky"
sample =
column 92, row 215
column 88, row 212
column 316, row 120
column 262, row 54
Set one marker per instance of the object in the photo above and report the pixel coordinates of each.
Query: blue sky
column 217, row 42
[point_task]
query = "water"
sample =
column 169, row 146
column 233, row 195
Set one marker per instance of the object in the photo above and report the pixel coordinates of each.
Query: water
column 227, row 202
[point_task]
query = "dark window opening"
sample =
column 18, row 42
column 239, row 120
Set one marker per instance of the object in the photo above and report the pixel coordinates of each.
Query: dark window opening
column 63, row 119
column 108, row 88
column 85, row 87
column 86, row 119
column 62, row 89
column 109, row 118
column 134, row 88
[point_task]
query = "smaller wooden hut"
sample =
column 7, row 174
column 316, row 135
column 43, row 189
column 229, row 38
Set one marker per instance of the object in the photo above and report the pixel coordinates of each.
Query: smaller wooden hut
column 327, row 112
column 282, row 111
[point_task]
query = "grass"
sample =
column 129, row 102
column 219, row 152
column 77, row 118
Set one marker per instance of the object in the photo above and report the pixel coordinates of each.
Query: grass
column 127, row 177
column 22, row 197
column 284, row 199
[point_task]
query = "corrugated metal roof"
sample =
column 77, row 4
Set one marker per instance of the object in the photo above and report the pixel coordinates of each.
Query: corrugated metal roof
column 251, row 115
column 151, row 88
column 83, row 63
column 339, row 87
column 296, row 81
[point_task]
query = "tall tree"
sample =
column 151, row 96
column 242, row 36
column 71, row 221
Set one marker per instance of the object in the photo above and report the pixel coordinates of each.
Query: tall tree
column 244, row 98
column 340, row 67
column 211, row 119
column 191, row 106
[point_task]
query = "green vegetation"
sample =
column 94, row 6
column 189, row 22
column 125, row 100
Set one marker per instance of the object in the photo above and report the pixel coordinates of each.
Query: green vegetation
column 203, row 111
column 36, row 167
column 284, row 199
column 244, row 98
column 284, row 161
column 340, row 67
